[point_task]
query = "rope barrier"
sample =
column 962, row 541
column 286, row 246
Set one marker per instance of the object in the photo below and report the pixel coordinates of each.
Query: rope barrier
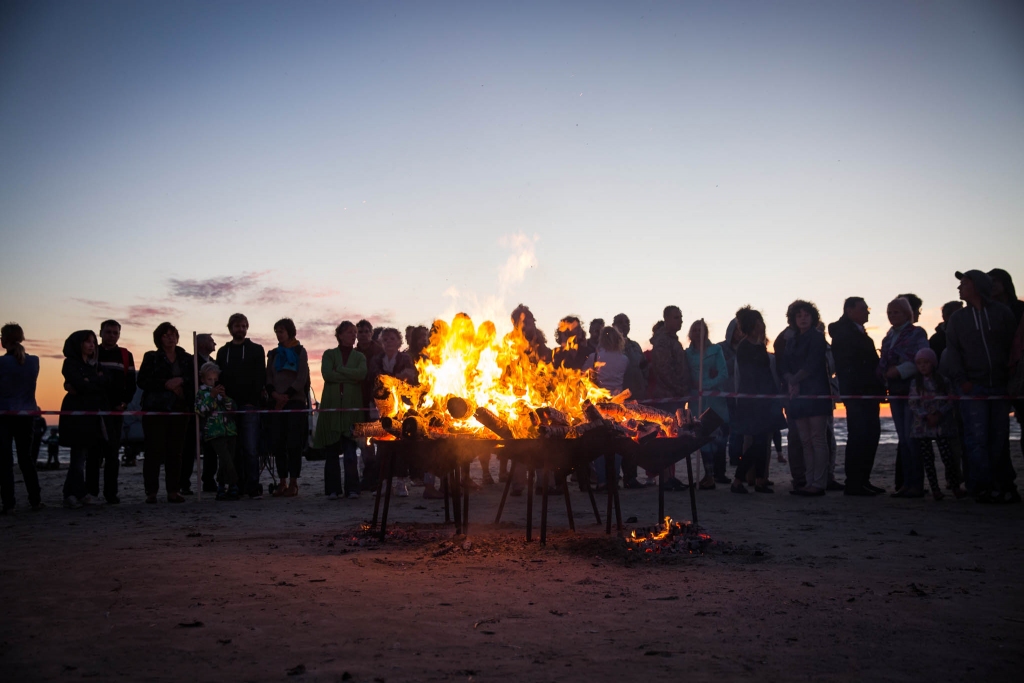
column 709, row 394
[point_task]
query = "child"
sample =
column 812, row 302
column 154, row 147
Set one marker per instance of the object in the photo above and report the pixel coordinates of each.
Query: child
column 219, row 430
column 932, row 412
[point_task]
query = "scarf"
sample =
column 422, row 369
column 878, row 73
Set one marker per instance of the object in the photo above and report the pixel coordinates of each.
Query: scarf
column 287, row 358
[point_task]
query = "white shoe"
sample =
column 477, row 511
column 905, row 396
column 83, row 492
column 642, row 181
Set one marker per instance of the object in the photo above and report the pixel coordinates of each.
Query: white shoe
column 353, row 495
column 402, row 489
column 72, row 503
column 333, row 496
column 89, row 500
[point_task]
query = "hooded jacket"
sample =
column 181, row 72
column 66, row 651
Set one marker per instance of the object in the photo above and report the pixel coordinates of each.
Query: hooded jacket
column 87, row 391
column 978, row 345
column 243, row 371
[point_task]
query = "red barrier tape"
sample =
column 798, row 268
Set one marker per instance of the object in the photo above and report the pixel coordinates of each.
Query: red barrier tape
column 706, row 394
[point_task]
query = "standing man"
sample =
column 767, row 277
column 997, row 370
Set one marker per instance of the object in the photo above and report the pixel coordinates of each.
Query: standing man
column 205, row 346
column 856, row 361
column 370, row 348
column 671, row 372
column 978, row 341
column 117, row 364
column 243, row 372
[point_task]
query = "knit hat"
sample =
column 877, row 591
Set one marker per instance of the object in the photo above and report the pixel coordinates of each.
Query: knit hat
column 927, row 353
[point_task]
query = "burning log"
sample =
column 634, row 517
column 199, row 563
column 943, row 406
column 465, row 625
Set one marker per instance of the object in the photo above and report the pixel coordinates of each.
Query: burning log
column 391, row 426
column 459, row 408
column 592, row 414
column 552, row 416
column 494, row 423
column 367, row 430
column 621, row 397
column 415, row 427
column 581, row 429
column 554, row 431
column 645, row 413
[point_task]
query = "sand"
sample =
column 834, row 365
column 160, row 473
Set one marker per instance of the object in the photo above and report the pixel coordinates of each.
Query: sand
column 800, row 589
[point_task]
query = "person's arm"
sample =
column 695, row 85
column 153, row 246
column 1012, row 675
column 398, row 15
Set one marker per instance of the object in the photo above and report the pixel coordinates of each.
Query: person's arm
column 721, row 377
column 815, row 361
column 74, row 379
column 329, row 368
column 357, row 373
column 269, row 373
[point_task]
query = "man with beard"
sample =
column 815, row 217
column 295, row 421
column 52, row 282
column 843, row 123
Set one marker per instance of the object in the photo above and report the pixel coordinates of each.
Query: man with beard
column 243, row 371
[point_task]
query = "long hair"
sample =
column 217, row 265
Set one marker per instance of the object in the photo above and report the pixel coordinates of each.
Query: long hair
column 14, row 337
column 611, row 340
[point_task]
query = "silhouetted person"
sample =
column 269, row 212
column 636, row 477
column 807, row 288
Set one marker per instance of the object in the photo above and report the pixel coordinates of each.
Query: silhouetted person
column 83, row 434
column 937, row 342
column 288, row 387
column 118, row 365
column 205, row 346
column 915, row 305
column 243, row 372
column 19, row 373
column 1005, row 293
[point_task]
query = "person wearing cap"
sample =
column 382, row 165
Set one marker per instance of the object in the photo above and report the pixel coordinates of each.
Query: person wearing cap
column 978, row 341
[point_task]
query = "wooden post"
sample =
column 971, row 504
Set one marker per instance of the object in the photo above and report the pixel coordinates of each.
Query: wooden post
column 700, row 383
column 199, row 439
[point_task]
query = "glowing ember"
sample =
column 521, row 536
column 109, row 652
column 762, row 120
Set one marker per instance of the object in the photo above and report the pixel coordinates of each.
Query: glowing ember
column 677, row 538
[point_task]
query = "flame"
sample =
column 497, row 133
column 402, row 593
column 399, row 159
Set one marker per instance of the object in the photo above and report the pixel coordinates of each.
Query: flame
column 470, row 362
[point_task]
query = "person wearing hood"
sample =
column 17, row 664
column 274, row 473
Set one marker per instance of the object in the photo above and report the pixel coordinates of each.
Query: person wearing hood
column 856, row 360
column 82, row 434
column 19, row 372
column 168, row 386
column 978, row 342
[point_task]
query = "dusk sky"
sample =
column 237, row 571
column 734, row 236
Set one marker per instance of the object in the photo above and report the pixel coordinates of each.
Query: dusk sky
column 401, row 161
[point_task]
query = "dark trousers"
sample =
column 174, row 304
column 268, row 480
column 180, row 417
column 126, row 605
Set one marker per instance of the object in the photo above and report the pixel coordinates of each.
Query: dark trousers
column 165, row 436
column 106, row 453
column 344, row 450
column 629, row 469
column 755, row 456
column 735, row 448
column 74, row 481
column 900, row 418
column 16, row 430
column 288, row 432
column 247, row 452
column 926, row 456
column 188, row 460
column 863, row 429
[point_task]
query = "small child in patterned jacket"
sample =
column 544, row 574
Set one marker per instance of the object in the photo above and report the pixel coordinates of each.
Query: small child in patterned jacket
column 219, row 429
column 932, row 411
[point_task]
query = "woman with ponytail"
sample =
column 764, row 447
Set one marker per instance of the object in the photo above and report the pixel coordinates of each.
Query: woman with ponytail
column 18, row 374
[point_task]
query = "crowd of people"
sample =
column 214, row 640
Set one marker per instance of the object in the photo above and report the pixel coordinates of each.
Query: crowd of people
column 948, row 393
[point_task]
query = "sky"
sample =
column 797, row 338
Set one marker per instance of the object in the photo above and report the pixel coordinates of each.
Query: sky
column 403, row 161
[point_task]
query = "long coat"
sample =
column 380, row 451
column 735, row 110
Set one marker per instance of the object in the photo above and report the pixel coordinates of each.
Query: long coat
column 342, row 389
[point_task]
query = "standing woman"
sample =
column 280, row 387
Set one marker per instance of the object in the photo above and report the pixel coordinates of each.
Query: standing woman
column 805, row 373
column 288, row 388
column 18, row 374
column 343, row 370
column 715, row 378
column 754, row 419
column 83, row 434
column 896, row 367
column 168, row 386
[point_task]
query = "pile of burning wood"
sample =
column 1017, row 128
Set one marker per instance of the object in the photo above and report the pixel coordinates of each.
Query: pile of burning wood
column 672, row 538
column 405, row 415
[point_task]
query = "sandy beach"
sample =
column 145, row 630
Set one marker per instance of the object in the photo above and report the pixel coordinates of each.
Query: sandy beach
column 798, row 589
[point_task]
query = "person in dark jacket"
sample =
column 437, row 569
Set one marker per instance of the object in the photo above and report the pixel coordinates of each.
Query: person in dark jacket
column 937, row 342
column 856, row 360
column 1005, row 293
column 369, row 347
column 753, row 420
column 119, row 366
column 978, row 342
column 243, row 372
column 288, row 388
column 86, row 385
column 804, row 371
column 168, row 386
column 18, row 375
